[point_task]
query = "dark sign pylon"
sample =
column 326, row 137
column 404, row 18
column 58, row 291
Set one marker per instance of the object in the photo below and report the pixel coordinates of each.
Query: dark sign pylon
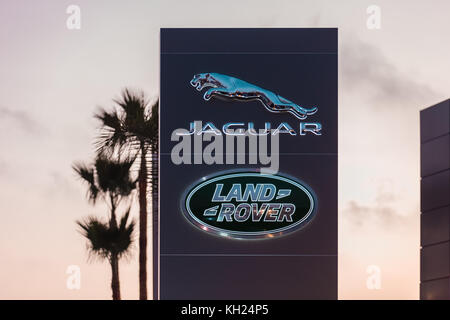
column 248, row 164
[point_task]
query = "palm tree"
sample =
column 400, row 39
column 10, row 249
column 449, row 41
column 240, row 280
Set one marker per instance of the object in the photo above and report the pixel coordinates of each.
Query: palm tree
column 109, row 242
column 109, row 180
column 133, row 127
column 154, row 148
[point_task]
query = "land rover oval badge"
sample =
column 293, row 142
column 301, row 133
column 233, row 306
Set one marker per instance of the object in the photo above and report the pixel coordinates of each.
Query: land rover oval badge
column 249, row 205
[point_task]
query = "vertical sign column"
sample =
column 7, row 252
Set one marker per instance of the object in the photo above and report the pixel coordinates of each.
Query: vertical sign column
column 435, row 202
column 248, row 170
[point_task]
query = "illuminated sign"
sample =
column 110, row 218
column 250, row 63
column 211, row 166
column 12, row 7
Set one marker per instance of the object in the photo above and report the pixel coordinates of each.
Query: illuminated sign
column 226, row 87
column 240, row 128
column 248, row 164
column 249, row 205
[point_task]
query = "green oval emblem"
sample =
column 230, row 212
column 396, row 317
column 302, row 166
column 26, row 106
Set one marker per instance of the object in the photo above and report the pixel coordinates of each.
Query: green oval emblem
column 249, row 205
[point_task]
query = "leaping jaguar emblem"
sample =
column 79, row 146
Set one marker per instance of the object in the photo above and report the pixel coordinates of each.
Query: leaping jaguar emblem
column 223, row 86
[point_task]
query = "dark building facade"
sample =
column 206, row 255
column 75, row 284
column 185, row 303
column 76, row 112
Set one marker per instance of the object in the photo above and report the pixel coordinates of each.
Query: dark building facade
column 435, row 202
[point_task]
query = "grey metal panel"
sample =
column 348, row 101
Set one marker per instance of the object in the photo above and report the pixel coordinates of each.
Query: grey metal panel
column 318, row 237
column 435, row 191
column 435, row 121
column 298, row 78
column 249, row 40
column 435, row 155
column 435, row 226
column 435, row 261
column 435, row 289
column 248, row 277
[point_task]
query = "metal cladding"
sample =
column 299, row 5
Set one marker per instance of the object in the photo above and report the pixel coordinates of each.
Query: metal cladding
column 248, row 164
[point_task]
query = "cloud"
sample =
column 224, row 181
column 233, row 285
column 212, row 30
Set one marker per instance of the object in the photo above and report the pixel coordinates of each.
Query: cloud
column 360, row 215
column 382, row 213
column 21, row 119
column 367, row 70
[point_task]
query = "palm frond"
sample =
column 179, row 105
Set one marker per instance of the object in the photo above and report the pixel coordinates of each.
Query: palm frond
column 150, row 127
column 105, row 240
column 125, row 234
column 133, row 125
column 87, row 174
column 114, row 175
column 113, row 134
column 96, row 232
column 136, row 113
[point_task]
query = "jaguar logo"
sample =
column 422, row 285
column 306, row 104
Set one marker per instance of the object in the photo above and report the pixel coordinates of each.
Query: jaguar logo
column 223, row 86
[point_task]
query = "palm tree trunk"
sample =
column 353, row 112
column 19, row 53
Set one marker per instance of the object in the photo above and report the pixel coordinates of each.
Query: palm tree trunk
column 143, row 226
column 115, row 283
column 155, row 207
column 113, row 220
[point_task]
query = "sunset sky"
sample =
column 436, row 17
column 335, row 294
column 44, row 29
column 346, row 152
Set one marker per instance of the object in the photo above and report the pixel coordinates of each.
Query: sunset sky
column 53, row 79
